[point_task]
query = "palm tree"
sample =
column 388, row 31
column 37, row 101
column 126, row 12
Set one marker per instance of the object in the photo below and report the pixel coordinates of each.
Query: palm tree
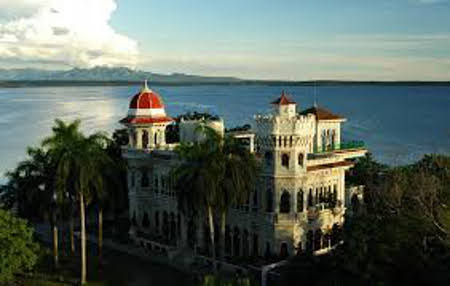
column 238, row 181
column 34, row 183
column 216, row 172
column 79, row 162
column 196, row 182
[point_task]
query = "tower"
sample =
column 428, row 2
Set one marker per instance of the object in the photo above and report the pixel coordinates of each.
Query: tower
column 146, row 120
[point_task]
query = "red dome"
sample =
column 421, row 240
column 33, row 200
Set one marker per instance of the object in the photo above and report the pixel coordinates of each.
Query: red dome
column 146, row 99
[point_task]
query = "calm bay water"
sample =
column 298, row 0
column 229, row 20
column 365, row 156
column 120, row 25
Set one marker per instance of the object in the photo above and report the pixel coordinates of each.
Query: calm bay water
column 398, row 123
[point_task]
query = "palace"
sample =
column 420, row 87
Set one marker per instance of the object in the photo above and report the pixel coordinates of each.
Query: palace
column 298, row 204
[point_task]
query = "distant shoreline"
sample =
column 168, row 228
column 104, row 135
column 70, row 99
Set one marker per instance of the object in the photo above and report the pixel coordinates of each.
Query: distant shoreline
column 56, row 83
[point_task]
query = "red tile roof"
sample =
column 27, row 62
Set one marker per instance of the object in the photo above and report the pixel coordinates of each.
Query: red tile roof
column 146, row 99
column 321, row 113
column 283, row 100
column 145, row 119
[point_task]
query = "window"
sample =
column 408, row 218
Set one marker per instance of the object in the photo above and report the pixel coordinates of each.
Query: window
column 269, row 206
column 144, row 139
column 300, row 201
column 300, row 159
column 285, row 202
column 285, row 160
column 144, row 179
column 156, row 182
column 310, row 198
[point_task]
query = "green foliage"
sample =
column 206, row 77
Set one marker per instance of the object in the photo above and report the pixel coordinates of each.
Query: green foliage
column 18, row 252
column 400, row 235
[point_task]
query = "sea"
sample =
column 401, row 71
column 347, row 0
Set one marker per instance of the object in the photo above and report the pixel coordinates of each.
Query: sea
column 399, row 124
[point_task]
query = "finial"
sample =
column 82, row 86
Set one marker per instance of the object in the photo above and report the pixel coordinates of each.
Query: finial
column 145, row 85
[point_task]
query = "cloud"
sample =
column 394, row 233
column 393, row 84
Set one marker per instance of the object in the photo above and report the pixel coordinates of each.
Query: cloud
column 72, row 32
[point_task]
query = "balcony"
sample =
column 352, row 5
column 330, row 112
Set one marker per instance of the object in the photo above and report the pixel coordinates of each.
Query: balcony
column 344, row 146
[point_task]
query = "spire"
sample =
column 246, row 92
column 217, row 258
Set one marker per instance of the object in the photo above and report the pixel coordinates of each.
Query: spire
column 145, row 87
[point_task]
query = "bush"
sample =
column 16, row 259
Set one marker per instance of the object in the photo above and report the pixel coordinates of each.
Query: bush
column 18, row 252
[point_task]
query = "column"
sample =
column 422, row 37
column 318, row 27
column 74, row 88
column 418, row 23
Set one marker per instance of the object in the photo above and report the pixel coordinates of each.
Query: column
column 252, row 144
column 138, row 139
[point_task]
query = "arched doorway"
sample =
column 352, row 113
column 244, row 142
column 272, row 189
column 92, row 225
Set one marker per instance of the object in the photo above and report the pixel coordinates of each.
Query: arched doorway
column 267, row 251
column 284, row 251
column 191, row 234
column 165, row 226
column 157, row 221
column 173, row 227
column 245, row 246
column 269, row 199
column 285, row 202
column 255, row 246
column 236, row 242
column 145, row 220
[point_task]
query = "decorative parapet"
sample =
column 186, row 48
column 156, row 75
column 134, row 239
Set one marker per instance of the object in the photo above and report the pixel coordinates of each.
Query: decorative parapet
column 350, row 145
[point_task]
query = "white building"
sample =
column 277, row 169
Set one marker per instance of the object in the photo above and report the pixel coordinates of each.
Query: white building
column 300, row 200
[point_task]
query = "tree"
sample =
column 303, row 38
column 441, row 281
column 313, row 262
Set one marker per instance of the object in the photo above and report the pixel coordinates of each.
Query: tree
column 238, row 180
column 196, row 182
column 217, row 172
column 18, row 251
column 80, row 161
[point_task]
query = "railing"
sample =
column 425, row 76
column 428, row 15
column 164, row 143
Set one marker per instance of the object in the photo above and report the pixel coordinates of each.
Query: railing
column 342, row 146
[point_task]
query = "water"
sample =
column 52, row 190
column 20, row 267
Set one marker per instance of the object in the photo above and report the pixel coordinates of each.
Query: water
column 398, row 123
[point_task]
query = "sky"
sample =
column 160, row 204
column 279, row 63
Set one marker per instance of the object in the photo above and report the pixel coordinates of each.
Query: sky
column 252, row 39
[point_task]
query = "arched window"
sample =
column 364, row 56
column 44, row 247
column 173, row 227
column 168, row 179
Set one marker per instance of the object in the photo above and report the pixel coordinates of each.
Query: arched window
column 300, row 159
column 285, row 160
column 255, row 200
column 227, row 240
column 133, row 219
column 133, row 138
column 155, row 137
column 300, row 201
column 285, row 202
column 145, row 220
column 255, row 247
column 269, row 203
column 268, row 158
column 144, row 139
column 144, row 178
column 310, row 198
column 133, row 179
column 355, row 203
column 157, row 219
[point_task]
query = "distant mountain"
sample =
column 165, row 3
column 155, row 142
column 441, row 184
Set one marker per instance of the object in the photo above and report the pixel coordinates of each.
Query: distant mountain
column 106, row 74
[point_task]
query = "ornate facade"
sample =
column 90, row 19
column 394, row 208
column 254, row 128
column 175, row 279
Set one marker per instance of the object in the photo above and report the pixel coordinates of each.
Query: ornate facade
column 301, row 197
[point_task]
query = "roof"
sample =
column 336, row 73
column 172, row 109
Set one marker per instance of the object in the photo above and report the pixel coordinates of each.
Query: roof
column 321, row 113
column 145, row 119
column 283, row 100
column 146, row 99
column 330, row 166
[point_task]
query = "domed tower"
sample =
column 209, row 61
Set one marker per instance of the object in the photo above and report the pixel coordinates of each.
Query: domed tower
column 146, row 120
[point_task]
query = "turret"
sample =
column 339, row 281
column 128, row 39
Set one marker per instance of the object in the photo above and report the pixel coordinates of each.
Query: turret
column 146, row 120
